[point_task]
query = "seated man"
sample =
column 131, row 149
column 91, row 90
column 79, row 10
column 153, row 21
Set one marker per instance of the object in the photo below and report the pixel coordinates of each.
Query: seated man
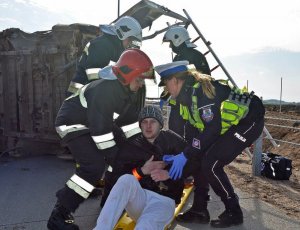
column 146, row 192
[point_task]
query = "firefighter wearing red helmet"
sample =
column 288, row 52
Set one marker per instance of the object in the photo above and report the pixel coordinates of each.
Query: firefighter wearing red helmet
column 86, row 122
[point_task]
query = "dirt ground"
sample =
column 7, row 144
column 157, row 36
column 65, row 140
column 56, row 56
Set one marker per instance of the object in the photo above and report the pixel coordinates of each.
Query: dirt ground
column 284, row 194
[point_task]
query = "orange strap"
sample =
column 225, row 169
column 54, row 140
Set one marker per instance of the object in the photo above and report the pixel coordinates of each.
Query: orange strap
column 135, row 173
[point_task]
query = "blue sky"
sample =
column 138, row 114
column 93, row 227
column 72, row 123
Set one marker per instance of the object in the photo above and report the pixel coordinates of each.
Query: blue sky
column 257, row 40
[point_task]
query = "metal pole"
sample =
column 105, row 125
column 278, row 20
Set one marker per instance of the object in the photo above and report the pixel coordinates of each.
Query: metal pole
column 118, row 8
column 280, row 95
column 247, row 86
column 256, row 160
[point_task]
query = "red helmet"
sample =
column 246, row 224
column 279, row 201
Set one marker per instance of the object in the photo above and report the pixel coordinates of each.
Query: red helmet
column 133, row 63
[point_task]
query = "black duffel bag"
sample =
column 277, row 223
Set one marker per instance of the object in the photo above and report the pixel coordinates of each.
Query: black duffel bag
column 275, row 166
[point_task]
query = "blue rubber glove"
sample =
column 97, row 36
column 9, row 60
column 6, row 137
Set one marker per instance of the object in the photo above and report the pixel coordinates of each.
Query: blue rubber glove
column 161, row 103
column 168, row 158
column 176, row 169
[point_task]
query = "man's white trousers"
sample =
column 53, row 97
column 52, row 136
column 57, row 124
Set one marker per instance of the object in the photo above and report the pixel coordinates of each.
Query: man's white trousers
column 150, row 210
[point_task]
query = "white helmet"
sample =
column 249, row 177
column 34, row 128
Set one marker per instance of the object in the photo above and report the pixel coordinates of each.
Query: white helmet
column 177, row 35
column 125, row 27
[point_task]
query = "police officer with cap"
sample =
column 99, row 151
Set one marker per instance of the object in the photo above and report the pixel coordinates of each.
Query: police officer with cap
column 223, row 121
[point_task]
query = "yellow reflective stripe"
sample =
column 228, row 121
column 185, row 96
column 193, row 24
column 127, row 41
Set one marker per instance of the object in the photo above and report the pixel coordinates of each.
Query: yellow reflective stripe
column 194, row 120
column 196, row 111
column 74, row 86
column 76, row 188
column 132, row 129
column 63, row 130
column 172, row 102
column 82, row 183
column 106, row 144
column 92, row 73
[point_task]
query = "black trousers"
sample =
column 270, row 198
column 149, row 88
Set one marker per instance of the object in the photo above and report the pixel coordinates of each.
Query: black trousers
column 92, row 165
column 220, row 154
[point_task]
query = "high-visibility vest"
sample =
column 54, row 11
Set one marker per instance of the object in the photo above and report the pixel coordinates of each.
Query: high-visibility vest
column 233, row 109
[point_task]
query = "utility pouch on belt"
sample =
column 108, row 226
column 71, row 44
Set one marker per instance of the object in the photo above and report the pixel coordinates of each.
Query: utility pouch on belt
column 235, row 108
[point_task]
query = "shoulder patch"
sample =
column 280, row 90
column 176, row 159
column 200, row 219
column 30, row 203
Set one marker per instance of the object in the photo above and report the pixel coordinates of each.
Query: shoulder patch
column 207, row 114
column 196, row 143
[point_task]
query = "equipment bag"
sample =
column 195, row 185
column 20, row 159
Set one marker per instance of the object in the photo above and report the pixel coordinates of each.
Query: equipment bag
column 275, row 166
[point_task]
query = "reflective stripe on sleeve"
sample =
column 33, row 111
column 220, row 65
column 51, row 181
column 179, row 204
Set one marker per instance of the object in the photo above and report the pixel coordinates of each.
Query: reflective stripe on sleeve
column 80, row 186
column 92, row 74
column 104, row 141
column 82, row 97
column 74, row 86
column 132, row 129
column 63, row 130
column 86, row 49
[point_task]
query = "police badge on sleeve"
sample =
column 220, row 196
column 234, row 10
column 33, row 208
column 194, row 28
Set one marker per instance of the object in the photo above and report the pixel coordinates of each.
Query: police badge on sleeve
column 207, row 114
column 196, row 143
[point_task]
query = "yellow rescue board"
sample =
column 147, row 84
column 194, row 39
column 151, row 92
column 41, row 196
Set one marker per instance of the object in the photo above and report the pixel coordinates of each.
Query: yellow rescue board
column 126, row 223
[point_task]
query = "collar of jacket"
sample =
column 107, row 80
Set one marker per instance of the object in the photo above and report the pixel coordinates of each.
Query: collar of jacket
column 185, row 94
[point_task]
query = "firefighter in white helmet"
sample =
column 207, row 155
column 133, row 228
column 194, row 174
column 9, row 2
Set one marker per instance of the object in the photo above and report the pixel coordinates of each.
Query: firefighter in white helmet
column 85, row 123
column 180, row 43
column 125, row 33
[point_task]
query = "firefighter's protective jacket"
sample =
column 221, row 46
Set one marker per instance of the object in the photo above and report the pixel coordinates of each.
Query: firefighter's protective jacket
column 209, row 111
column 194, row 57
column 97, row 54
column 93, row 111
column 136, row 151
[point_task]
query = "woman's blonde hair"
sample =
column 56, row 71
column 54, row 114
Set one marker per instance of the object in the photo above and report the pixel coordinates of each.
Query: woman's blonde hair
column 204, row 79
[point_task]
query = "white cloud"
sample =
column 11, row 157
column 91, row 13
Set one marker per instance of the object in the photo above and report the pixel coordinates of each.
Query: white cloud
column 9, row 22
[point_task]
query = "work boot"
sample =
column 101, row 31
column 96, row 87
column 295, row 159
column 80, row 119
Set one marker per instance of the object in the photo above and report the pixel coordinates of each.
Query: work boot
column 228, row 218
column 200, row 217
column 61, row 219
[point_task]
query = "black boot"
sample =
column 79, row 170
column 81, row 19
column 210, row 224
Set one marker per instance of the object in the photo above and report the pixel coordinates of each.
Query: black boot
column 228, row 218
column 201, row 217
column 61, row 219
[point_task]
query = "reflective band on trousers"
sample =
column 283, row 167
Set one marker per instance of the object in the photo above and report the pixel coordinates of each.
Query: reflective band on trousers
column 74, row 87
column 63, row 130
column 80, row 186
column 92, row 74
column 104, row 141
column 132, row 129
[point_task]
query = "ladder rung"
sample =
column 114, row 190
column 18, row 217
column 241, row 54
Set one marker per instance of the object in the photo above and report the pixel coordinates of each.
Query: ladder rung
column 217, row 66
column 196, row 39
column 207, row 52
